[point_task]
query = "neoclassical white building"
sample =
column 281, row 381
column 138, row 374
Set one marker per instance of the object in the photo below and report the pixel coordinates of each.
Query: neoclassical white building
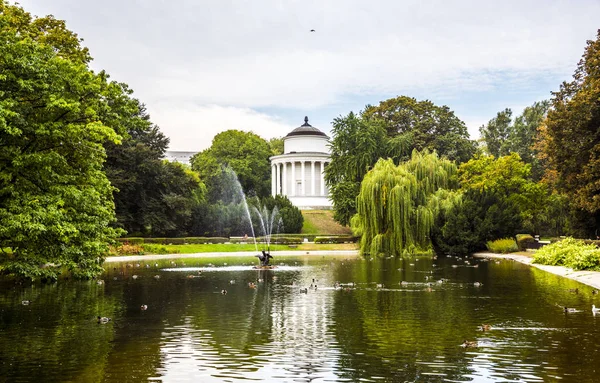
column 298, row 173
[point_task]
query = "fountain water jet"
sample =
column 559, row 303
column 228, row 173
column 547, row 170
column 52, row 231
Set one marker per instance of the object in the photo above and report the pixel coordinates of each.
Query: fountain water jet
column 269, row 222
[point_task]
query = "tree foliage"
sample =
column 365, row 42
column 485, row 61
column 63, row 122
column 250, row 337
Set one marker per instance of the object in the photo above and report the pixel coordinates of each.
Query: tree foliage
column 152, row 197
column 47, row 31
column 390, row 130
column 496, row 132
column 291, row 217
column 498, row 200
column 524, row 134
column 59, row 122
column 478, row 217
column 228, row 212
column 276, row 145
column 55, row 200
column 425, row 126
column 572, row 132
column 502, row 135
column 244, row 152
column 397, row 205
column 356, row 146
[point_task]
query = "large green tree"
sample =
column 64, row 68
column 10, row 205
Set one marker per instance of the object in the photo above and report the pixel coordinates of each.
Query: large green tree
column 572, row 132
column 356, row 146
column 425, row 125
column 508, row 178
column 56, row 202
column 390, row 130
column 152, row 196
column 503, row 135
column 46, row 30
column 245, row 153
column 525, row 130
column 397, row 205
column 496, row 132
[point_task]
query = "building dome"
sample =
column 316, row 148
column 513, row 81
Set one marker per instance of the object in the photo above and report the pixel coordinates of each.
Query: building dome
column 306, row 129
column 299, row 173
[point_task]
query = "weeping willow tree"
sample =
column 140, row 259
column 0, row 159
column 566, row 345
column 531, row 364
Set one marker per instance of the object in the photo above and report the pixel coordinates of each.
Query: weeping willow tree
column 397, row 205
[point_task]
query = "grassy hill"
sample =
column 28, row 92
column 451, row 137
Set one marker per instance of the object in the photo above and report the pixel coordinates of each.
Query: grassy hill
column 321, row 222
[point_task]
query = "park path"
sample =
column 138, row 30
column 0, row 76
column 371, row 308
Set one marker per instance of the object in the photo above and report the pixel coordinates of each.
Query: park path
column 590, row 278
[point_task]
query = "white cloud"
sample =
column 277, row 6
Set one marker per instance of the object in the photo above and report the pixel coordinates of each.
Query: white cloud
column 192, row 128
column 229, row 57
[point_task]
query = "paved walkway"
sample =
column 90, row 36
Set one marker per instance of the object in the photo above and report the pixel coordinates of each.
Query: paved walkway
column 152, row 257
column 590, row 278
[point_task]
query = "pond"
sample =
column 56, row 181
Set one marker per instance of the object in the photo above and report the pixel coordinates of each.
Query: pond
column 388, row 320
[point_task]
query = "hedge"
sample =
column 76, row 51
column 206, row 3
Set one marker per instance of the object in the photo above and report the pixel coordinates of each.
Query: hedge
column 526, row 241
column 287, row 239
column 174, row 241
column 337, row 239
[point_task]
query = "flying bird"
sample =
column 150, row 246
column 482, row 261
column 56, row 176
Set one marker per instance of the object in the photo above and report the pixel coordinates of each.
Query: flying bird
column 312, row 30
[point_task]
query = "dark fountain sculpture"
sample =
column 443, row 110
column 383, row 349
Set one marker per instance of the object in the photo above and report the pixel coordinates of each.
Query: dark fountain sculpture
column 264, row 259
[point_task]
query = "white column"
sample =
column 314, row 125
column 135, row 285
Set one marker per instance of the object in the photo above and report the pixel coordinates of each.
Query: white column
column 293, row 193
column 278, row 179
column 273, row 180
column 312, row 177
column 302, row 172
column 322, row 178
column 284, row 188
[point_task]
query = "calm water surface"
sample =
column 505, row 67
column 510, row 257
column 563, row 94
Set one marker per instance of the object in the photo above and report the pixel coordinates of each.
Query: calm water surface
column 388, row 321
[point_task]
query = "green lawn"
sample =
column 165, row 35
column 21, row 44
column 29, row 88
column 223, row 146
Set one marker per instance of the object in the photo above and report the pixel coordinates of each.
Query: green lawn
column 228, row 248
column 321, row 222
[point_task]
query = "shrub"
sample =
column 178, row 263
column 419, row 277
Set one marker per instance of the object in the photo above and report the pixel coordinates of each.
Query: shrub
column 196, row 240
column 216, row 240
column 594, row 242
column 127, row 249
column 482, row 216
column 525, row 241
column 158, row 249
column 282, row 240
column 569, row 252
column 155, row 240
column 588, row 259
column 504, row 245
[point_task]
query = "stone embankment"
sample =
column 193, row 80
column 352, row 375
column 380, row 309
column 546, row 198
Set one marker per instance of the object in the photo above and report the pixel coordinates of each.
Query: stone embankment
column 590, row 278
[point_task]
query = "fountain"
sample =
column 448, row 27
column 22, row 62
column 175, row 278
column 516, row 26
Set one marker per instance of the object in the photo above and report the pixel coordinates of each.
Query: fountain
column 269, row 222
column 264, row 260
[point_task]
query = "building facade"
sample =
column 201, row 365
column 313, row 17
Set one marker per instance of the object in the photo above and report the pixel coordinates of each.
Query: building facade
column 179, row 156
column 298, row 173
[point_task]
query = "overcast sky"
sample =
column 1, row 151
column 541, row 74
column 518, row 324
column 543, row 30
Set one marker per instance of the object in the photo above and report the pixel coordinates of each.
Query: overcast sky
column 205, row 66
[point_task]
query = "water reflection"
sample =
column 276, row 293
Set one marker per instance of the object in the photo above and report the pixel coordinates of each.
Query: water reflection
column 359, row 320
